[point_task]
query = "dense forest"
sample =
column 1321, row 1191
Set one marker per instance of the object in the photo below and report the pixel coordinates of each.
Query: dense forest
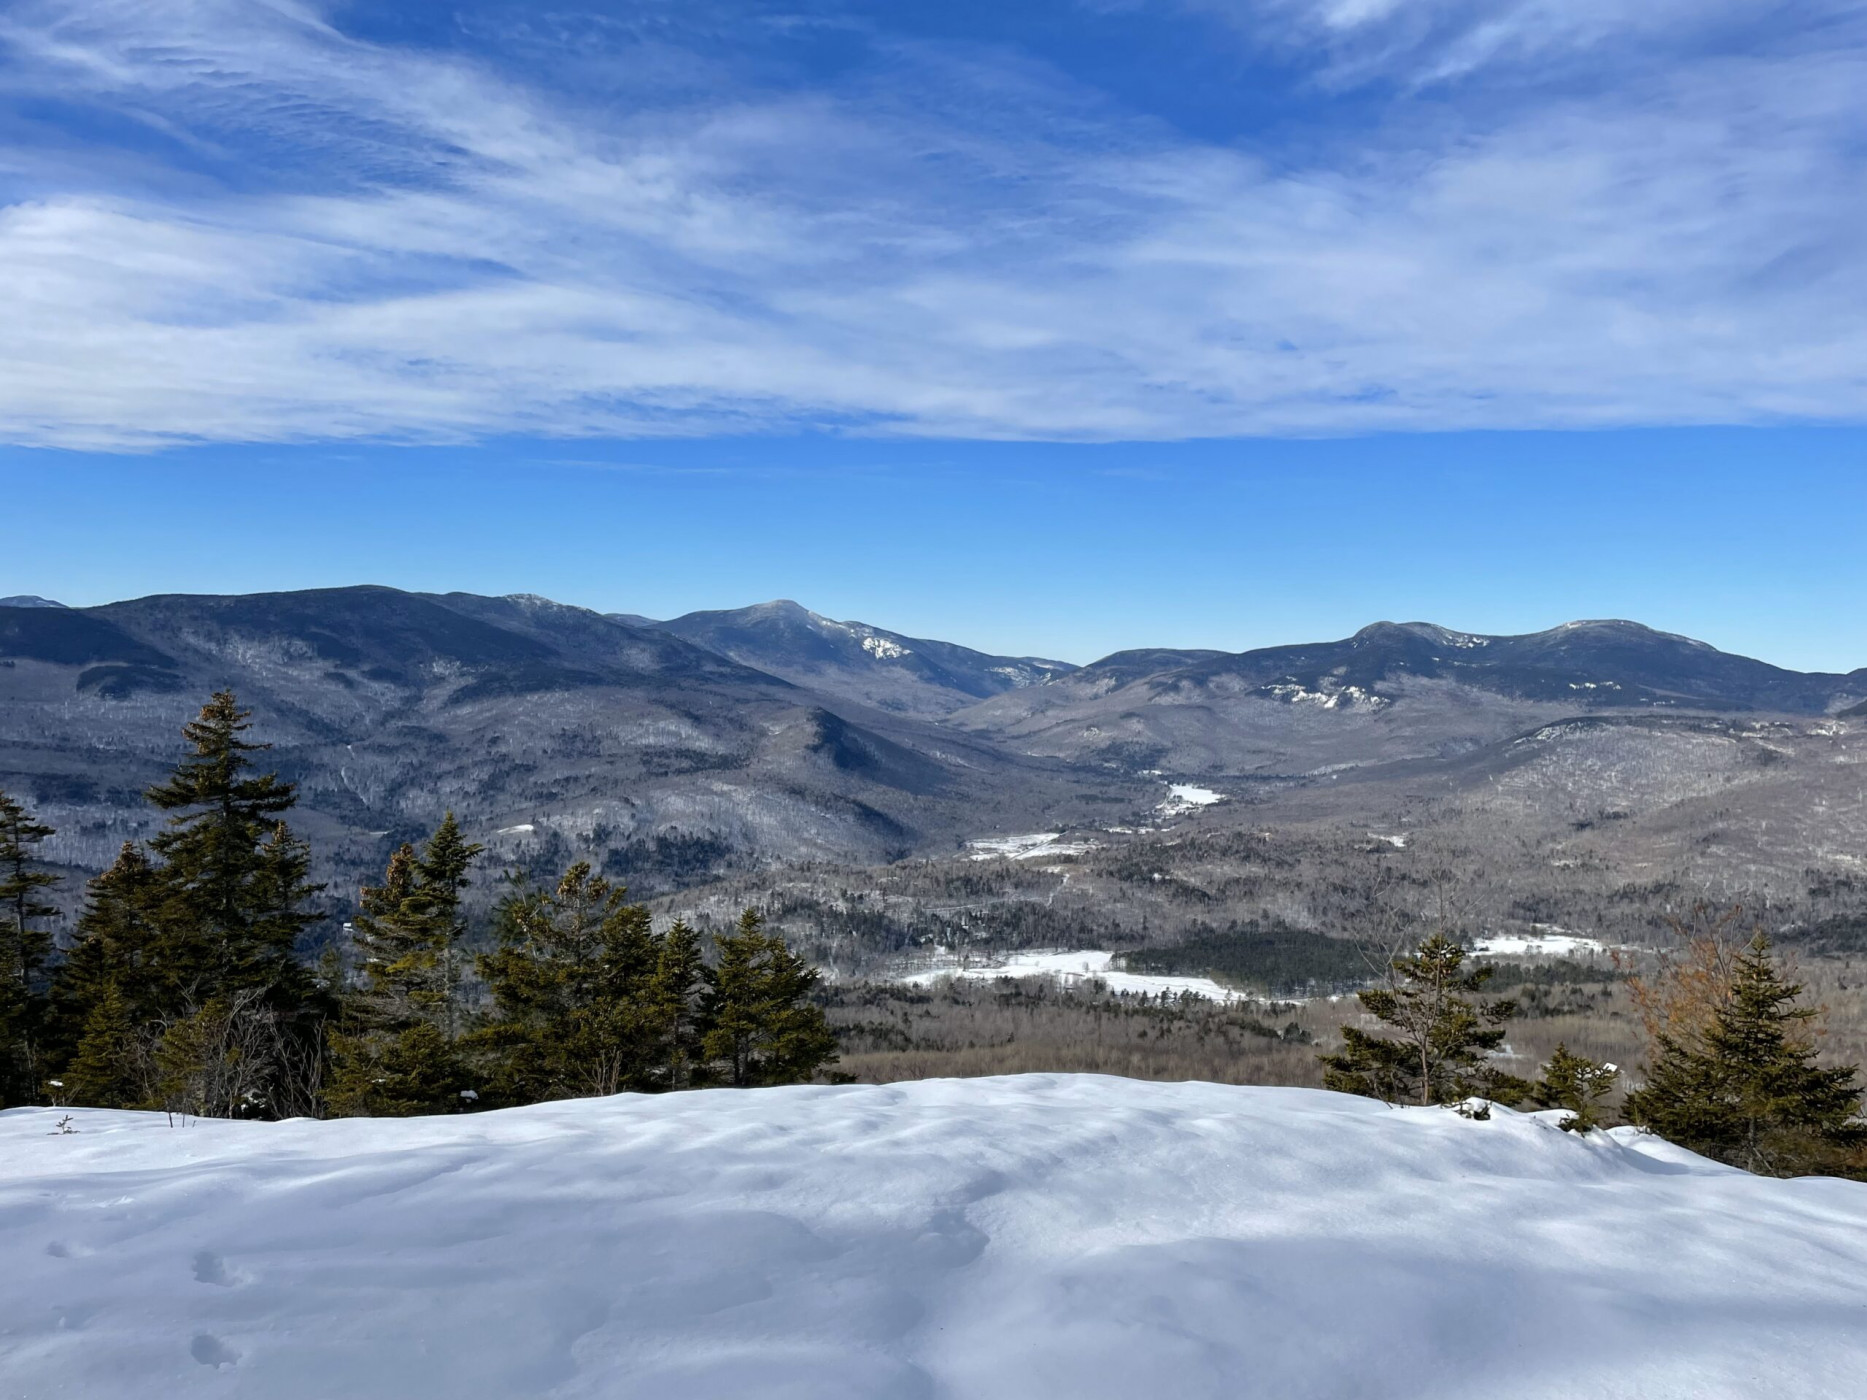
column 184, row 986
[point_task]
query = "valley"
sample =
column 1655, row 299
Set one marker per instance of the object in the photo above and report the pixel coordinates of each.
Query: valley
column 1278, row 820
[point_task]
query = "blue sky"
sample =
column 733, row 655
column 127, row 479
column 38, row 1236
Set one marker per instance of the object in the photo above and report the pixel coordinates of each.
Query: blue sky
column 1052, row 326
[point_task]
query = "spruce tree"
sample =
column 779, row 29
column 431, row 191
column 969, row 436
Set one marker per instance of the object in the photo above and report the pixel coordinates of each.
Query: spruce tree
column 115, row 954
column 233, row 876
column 1577, row 1083
column 1747, row 1090
column 760, row 1026
column 674, row 996
column 570, row 981
column 394, row 1054
column 25, row 945
column 1444, row 1037
column 443, row 868
column 112, row 1068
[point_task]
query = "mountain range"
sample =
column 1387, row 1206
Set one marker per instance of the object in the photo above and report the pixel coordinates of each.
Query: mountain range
column 671, row 750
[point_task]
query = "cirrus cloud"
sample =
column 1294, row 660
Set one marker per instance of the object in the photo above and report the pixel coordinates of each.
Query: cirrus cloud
column 245, row 223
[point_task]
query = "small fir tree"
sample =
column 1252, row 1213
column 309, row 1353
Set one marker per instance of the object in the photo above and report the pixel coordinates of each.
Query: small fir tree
column 115, row 947
column 443, row 869
column 1439, row 1053
column 1577, row 1083
column 25, row 946
column 112, row 1067
column 760, row 1026
column 570, row 980
column 1747, row 1089
column 395, row 1053
column 674, row 995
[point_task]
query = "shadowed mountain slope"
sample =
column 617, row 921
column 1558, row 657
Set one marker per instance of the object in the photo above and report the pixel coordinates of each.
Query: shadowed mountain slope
column 553, row 732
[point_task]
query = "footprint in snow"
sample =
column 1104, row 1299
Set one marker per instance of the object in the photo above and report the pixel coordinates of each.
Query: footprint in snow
column 210, row 1350
column 209, row 1267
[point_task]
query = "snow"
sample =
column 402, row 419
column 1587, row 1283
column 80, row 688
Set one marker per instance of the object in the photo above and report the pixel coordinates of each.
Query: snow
column 994, row 1239
column 1037, row 843
column 883, row 648
column 1538, row 945
column 523, row 828
column 1186, row 797
column 1077, row 966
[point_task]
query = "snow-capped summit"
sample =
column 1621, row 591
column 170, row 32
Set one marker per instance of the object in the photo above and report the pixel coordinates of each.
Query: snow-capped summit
column 855, row 660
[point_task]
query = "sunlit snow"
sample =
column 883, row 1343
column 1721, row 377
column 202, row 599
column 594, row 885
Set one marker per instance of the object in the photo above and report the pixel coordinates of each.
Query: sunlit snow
column 1186, row 797
column 1077, row 1237
column 1069, row 968
column 1037, row 843
column 1538, row 945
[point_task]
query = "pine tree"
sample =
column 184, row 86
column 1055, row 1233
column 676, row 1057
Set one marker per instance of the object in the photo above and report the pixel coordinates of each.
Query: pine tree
column 445, row 862
column 760, row 1027
column 1577, row 1083
column 115, row 953
column 674, row 996
column 111, row 1068
column 1440, row 1054
column 395, row 1053
column 233, row 876
column 1747, row 1090
column 570, row 980
column 25, row 945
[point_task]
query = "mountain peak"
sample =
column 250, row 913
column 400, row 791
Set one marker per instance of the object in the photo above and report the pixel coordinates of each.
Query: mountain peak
column 28, row 600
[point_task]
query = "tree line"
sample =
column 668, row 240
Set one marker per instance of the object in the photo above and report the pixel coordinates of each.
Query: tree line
column 1733, row 1072
column 183, row 988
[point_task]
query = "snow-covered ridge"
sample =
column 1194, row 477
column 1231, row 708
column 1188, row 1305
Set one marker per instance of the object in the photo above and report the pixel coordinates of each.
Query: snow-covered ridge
column 994, row 1239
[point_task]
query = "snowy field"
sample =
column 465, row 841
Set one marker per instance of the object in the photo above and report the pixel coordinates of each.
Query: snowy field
column 1080, row 965
column 1059, row 1236
column 1037, row 843
column 1539, row 945
column 1186, row 797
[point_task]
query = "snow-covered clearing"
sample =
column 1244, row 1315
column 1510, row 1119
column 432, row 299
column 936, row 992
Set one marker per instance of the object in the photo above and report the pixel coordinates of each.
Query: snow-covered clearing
column 1538, row 945
column 1185, row 797
column 993, row 1239
column 1080, row 965
column 1049, row 844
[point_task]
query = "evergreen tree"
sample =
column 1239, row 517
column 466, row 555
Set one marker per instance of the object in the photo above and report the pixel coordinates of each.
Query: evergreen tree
column 760, row 1027
column 570, row 979
column 114, row 955
column 395, row 1053
column 443, row 867
column 674, row 995
column 1444, row 1037
column 1747, row 1089
column 1577, row 1083
column 112, row 1067
column 233, row 876
column 25, row 945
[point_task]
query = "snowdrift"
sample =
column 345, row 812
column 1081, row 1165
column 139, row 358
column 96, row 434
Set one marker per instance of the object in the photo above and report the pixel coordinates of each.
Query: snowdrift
column 1004, row 1239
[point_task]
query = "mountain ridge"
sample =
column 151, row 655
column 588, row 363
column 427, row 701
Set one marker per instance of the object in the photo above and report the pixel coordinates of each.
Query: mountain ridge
column 664, row 756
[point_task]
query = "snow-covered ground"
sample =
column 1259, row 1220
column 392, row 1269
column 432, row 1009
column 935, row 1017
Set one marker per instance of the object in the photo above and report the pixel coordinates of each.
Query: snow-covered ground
column 1070, row 967
column 1538, row 945
column 1186, row 797
column 1037, row 843
column 999, row 1239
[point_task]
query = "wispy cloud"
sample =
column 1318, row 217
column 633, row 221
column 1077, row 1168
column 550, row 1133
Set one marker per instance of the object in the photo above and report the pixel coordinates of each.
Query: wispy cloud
column 323, row 236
